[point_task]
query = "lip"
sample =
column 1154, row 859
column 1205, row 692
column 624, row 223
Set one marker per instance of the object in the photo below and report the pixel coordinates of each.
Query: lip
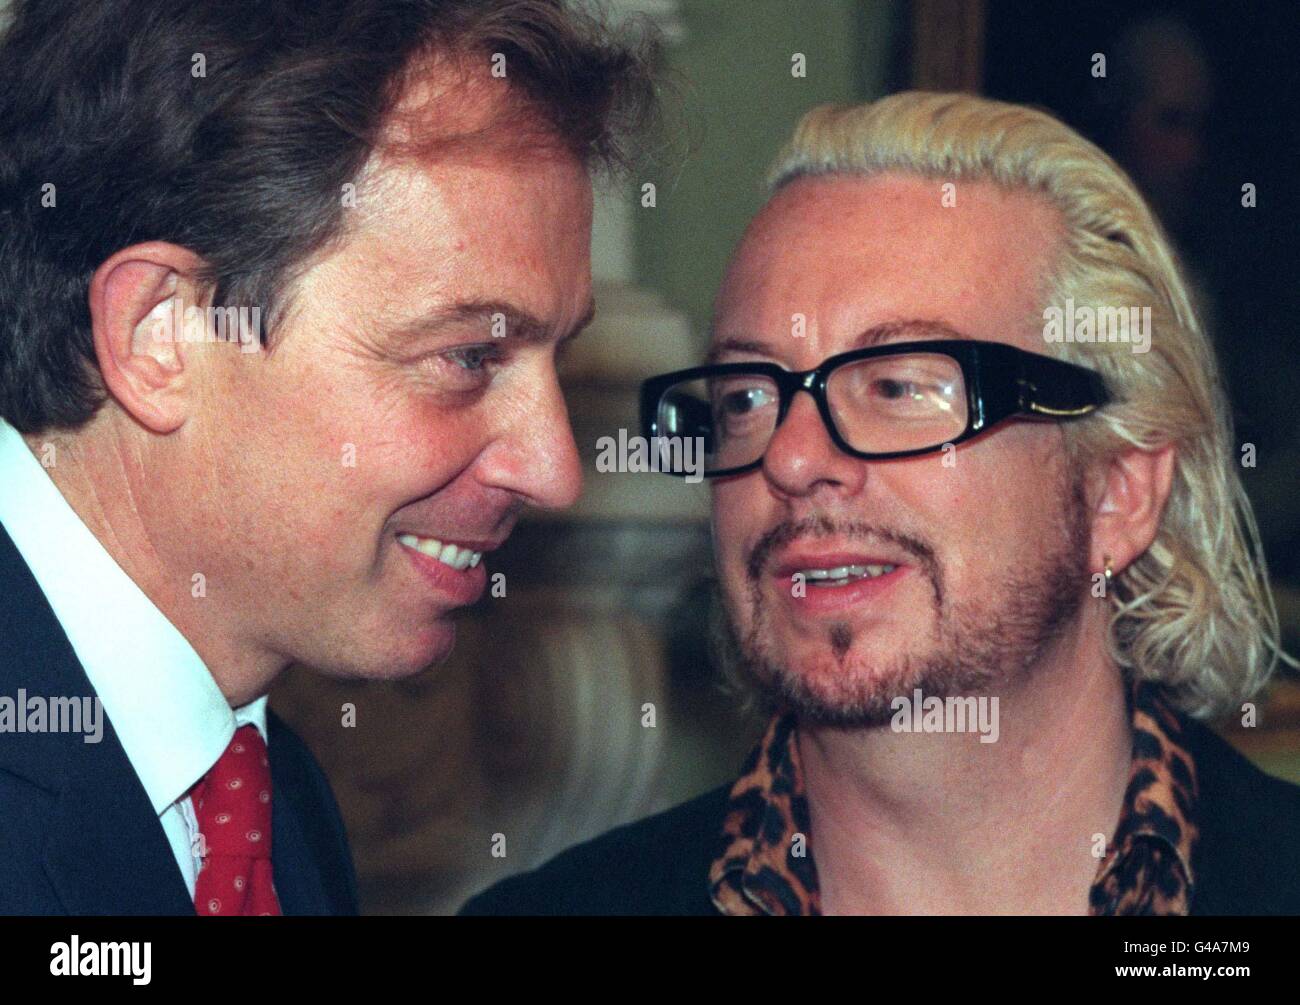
column 792, row 562
column 818, row 600
column 473, row 544
column 832, row 599
column 461, row 586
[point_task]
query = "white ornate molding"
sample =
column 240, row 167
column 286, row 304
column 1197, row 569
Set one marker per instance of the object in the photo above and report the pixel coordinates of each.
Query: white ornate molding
column 636, row 333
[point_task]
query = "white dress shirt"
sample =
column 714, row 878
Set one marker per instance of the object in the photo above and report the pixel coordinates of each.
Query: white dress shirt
column 168, row 712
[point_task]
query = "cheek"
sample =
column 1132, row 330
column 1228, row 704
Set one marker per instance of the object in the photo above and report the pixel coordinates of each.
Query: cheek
column 321, row 461
column 995, row 505
column 379, row 429
column 742, row 510
column 272, row 460
column 423, row 446
column 735, row 516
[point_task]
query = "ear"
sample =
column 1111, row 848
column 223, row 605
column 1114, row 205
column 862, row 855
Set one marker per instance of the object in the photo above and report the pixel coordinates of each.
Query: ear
column 138, row 303
column 1127, row 515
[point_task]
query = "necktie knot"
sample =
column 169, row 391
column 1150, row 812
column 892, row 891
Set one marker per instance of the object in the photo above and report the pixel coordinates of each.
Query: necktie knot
column 232, row 803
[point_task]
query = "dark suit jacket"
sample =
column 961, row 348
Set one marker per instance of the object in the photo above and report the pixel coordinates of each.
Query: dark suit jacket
column 1246, row 862
column 78, row 834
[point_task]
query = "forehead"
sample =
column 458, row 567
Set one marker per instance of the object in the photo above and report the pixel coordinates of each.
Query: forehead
column 465, row 179
column 851, row 252
column 482, row 195
column 473, row 224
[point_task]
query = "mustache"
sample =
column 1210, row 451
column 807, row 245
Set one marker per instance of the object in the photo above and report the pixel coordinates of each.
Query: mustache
column 820, row 525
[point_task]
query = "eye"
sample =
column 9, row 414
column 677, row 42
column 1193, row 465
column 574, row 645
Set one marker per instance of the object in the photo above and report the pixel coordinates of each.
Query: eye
column 743, row 401
column 465, row 368
column 895, row 389
column 474, row 358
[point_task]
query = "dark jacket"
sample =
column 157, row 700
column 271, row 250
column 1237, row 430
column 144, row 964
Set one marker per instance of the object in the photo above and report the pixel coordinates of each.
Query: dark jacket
column 1247, row 860
column 78, row 834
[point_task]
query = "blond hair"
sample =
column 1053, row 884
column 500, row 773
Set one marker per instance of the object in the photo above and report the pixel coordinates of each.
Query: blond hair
column 1194, row 611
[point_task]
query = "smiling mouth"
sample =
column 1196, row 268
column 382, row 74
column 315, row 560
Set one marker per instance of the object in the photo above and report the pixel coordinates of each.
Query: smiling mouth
column 446, row 552
column 842, row 575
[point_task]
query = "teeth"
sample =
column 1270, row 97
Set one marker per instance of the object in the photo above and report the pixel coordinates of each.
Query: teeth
column 447, row 554
column 842, row 575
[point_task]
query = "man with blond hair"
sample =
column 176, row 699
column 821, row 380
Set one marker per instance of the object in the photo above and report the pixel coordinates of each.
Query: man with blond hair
column 983, row 552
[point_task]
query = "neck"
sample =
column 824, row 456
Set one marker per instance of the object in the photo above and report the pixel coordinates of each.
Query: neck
column 940, row 823
column 102, row 471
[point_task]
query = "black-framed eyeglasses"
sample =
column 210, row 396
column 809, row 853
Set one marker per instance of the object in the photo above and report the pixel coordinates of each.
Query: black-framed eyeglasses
column 902, row 399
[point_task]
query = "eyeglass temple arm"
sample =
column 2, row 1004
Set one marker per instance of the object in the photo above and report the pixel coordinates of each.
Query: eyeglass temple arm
column 1057, row 389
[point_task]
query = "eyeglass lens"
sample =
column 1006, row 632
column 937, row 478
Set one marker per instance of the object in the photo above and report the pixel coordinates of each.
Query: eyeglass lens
column 883, row 404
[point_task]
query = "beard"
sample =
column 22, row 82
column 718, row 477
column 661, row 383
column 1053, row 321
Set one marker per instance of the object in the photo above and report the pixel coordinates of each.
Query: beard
column 982, row 643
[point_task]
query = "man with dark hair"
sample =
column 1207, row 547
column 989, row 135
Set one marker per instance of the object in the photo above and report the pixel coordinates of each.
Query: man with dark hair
column 282, row 285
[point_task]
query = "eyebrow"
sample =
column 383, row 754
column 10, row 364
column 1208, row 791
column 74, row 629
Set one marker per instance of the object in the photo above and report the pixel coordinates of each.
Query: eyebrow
column 910, row 328
column 518, row 322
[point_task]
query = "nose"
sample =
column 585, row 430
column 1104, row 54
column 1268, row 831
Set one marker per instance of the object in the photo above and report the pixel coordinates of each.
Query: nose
column 802, row 458
column 535, row 456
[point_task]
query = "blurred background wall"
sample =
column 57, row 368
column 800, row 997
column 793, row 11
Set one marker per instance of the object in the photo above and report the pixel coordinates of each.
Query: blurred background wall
column 583, row 697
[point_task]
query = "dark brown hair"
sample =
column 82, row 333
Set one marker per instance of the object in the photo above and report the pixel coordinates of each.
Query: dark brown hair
column 104, row 108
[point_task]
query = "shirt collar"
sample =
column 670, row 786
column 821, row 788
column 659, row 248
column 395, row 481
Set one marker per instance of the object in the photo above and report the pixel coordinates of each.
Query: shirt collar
column 765, row 862
column 168, row 712
column 1147, row 868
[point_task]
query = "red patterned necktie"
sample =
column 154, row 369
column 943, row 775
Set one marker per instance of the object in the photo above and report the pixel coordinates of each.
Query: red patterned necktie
column 233, row 806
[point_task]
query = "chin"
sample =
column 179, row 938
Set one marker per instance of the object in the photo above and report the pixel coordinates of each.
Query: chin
column 431, row 646
column 813, row 663
column 840, row 648
column 405, row 656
